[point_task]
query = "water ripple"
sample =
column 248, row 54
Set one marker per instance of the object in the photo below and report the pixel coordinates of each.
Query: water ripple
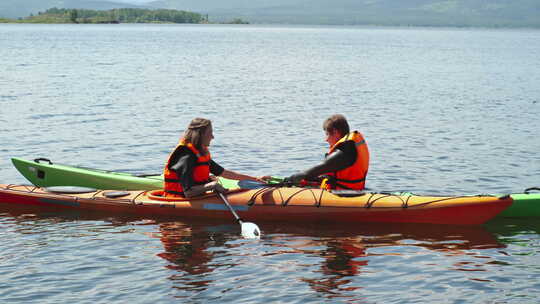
column 443, row 111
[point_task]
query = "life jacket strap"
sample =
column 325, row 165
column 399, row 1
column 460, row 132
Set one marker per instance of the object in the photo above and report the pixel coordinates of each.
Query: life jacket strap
column 351, row 181
column 171, row 180
column 336, row 184
column 175, row 192
column 363, row 141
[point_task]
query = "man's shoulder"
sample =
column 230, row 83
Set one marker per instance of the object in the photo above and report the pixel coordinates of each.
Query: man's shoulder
column 346, row 145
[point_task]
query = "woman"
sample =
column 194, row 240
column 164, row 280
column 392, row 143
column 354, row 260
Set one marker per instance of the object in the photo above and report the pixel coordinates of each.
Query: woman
column 347, row 162
column 188, row 168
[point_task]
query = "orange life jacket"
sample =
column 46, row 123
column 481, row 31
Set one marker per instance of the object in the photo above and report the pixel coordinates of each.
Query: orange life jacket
column 353, row 177
column 201, row 172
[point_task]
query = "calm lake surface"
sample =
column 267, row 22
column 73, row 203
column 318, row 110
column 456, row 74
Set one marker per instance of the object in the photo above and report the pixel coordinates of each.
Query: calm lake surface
column 444, row 111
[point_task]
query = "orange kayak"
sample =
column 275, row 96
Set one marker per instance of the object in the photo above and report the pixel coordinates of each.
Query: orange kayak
column 271, row 204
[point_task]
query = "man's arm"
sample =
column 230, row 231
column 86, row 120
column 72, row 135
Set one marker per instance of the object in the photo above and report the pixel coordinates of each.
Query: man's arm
column 340, row 159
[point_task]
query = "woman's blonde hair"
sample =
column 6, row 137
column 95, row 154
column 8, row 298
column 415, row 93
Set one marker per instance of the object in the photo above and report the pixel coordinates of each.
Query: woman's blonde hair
column 195, row 132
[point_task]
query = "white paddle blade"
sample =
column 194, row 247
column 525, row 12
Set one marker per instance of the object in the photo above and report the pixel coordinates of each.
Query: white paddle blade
column 251, row 231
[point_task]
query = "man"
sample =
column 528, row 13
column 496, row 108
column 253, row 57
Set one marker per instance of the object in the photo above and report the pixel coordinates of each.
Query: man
column 347, row 162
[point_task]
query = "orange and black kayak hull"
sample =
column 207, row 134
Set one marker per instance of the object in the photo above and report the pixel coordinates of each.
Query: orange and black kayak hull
column 274, row 204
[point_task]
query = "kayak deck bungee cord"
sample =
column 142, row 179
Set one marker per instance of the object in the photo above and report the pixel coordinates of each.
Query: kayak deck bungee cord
column 270, row 204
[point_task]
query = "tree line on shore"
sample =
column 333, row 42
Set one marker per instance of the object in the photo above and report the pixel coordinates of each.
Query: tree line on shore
column 119, row 15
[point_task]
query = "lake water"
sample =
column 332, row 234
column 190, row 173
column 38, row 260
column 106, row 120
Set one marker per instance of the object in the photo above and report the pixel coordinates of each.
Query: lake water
column 444, row 111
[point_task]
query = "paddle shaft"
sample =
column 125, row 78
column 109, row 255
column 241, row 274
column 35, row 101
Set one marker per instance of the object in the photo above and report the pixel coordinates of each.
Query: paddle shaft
column 248, row 230
column 224, row 199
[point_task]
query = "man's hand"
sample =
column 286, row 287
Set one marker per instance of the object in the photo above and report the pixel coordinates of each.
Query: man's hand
column 295, row 178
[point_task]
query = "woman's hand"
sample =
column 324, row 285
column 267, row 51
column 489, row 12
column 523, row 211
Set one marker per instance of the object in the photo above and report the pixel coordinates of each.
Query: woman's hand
column 201, row 189
column 216, row 187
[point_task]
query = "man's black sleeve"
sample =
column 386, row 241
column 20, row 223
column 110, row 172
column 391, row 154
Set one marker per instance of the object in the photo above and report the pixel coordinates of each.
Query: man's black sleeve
column 215, row 168
column 343, row 157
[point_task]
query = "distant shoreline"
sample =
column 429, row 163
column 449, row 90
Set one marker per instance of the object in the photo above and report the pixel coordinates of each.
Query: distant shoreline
column 383, row 13
column 2, row 21
column 168, row 16
column 116, row 16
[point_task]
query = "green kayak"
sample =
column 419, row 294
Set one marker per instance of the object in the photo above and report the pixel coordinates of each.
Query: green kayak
column 43, row 173
column 525, row 204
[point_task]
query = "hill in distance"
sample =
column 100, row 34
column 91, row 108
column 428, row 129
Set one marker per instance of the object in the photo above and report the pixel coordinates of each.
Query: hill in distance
column 481, row 13
column 486, row 13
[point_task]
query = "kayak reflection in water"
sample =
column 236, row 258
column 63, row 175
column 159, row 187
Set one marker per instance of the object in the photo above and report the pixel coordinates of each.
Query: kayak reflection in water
column 188, row 168
column 346, row 164
column 184, row 250
column 347, row 252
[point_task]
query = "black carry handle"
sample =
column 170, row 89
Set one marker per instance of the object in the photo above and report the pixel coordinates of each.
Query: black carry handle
column 531, row 188
column 147, row 175
column 37, row 160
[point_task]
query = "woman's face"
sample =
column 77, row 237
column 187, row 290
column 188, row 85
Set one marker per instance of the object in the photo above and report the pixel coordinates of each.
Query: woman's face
column 207, row 136
column 332, row 137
